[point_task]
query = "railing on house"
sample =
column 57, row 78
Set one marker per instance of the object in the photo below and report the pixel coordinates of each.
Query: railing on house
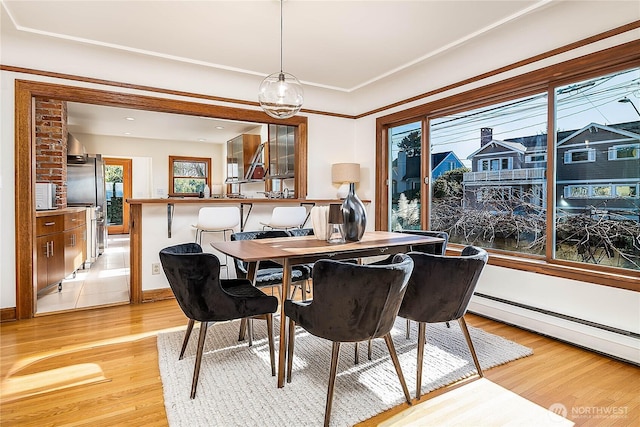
column 506, row 175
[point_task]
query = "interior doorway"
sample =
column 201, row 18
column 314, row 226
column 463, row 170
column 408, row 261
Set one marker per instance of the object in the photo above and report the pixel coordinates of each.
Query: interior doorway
column 118, row 189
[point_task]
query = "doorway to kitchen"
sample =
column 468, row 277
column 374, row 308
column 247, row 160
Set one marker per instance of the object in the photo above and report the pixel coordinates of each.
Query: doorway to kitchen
column 104, row 281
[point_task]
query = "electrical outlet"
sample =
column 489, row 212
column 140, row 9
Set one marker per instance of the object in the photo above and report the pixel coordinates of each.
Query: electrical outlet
column 155, row 268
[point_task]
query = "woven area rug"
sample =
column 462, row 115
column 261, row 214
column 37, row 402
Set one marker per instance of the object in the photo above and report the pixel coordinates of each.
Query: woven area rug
column 236, row 387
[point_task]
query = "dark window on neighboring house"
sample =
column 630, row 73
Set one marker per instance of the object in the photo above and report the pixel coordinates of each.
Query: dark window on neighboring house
column 580, row 156
column 536, row 158
column 624, row 152
column 495, row 164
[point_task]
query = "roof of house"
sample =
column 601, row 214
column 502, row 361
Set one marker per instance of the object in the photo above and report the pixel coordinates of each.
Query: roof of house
column 539, row 142
column 512, row 146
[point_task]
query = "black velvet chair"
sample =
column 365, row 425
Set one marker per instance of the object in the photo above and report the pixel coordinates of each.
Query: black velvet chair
column 351, row 303
column 194, row 278
column 435, row 249
column 439, row 290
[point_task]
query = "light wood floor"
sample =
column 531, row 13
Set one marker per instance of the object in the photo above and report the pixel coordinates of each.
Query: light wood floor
column 100, row 367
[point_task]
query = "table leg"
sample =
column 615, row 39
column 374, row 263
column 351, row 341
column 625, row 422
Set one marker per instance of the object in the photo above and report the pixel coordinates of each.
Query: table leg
column 251, row 276
column 282, row 351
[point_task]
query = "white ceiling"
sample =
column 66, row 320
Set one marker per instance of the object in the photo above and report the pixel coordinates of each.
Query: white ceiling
column 337, row 45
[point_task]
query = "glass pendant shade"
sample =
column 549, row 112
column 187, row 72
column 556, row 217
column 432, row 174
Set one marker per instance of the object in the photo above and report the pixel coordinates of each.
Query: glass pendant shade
column 281, row 95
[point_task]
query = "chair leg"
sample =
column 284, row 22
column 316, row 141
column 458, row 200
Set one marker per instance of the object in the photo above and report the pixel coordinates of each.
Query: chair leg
column 421, row 341
column 396, row 364
column 408, row 328
column 369, row 350
column 196, row 368
column 292, row 339
column 187, row 334
column 272, row 354
column 250, row 330
column 335, row 352
column 356, row 356
column 465, row 331
column 243, row 329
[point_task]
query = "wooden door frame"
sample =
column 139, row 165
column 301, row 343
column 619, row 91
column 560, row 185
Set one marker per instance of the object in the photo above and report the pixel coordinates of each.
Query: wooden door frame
column 25, row 213
column 126, row 189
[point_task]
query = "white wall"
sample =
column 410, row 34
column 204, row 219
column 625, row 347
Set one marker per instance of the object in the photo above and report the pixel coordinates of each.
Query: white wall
column 157, row 152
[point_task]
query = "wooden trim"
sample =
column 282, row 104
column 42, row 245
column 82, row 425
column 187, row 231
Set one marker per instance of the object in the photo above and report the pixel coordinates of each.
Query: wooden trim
column 7, row 314
column 91, row 80
column 24, row 202
column 135, row 254
column 157, row 295
column 543, row 80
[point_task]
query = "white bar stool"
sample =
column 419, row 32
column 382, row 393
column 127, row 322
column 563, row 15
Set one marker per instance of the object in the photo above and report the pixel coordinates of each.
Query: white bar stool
column 217, row 220
column 286, row 217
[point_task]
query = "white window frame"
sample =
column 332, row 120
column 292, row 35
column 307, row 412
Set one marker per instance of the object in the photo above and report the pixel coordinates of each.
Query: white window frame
column 591, row 156
column 613, row 152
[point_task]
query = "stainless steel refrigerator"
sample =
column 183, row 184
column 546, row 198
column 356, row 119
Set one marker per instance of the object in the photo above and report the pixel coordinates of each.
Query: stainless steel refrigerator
column 85, row 187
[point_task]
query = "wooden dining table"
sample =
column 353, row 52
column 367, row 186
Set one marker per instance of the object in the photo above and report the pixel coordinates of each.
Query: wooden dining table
column 290, row 251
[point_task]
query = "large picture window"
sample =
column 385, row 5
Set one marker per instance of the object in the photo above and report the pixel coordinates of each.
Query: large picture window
column 500, row 197
column 564, row 191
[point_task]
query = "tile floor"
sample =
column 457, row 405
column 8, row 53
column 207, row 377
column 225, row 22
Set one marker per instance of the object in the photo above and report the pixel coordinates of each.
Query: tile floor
column 106, row 282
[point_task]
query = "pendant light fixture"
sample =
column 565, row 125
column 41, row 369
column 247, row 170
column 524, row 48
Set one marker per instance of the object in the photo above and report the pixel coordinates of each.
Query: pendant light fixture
column 281, row 94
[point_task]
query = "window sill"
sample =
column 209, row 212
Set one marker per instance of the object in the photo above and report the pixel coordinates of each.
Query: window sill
column 622, row 279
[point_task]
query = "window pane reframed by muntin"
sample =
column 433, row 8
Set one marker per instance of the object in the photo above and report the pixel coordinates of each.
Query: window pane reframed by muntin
column 597, row 208
column 496, row 198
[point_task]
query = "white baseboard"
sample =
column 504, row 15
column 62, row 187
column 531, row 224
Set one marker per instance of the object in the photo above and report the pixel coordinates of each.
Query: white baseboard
column 617, row 345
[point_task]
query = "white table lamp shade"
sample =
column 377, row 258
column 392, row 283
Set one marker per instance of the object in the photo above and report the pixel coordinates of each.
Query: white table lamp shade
column 345, row 172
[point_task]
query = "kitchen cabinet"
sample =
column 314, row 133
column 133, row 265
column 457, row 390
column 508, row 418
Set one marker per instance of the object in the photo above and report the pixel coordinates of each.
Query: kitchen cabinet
column 281, row 153
column 60, row 246
column 75, row 241
column 240, row 151
column 49, row 254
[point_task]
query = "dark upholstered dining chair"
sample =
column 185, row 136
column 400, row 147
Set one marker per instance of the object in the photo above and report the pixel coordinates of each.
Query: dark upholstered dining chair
column 351, row 303
column 439, row 290
column 435, row 249
column 194, row 278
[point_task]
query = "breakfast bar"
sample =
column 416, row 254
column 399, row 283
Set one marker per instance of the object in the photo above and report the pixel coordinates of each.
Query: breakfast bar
column 161, row 222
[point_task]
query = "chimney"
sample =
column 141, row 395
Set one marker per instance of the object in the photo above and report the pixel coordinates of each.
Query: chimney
column 486, row 135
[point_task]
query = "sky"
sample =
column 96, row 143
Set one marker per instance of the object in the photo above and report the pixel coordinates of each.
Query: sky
column 578, row 104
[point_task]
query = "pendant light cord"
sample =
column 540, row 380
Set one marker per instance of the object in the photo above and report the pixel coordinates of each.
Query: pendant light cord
column 281, row 36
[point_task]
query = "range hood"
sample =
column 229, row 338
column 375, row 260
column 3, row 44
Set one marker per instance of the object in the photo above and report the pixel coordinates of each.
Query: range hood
column 76, row 152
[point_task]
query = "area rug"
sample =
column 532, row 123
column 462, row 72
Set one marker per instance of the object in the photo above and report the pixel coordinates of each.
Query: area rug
column 236, row 387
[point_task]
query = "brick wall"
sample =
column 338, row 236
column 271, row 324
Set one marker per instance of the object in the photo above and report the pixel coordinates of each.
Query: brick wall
column 51, row 146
